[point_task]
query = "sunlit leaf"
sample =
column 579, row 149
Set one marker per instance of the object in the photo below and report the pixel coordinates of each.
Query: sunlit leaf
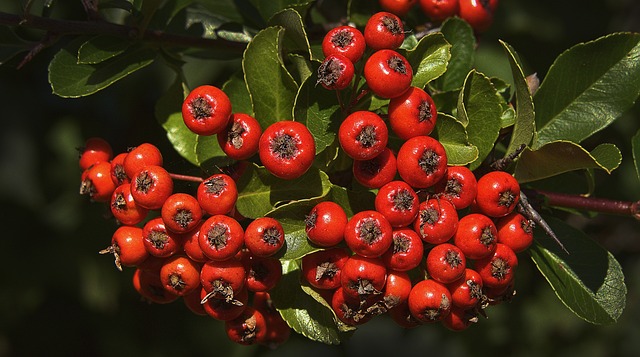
column 429, row 59
column 460, row 35
column 453, row 136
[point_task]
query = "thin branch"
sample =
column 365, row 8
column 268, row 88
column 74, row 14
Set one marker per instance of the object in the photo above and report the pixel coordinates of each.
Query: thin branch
column 593, row 204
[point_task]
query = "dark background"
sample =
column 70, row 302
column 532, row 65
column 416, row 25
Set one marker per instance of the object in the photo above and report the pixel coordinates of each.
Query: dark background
column 59, row 297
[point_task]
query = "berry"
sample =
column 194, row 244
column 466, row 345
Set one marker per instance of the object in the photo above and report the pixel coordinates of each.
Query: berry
column 264, row 236
column 478, row 13
column 124, row 208
column 151, row 186
column 405, row 252
column 397, row 7
column 127, row 247
column 180, row 275
column 344, row 40
column 223, row 280
column 217, row 194
column 221, row 237
column 515, row 231
column 498, row 194
column 247, row 329
column 376, row 172
column 413, row 113
column 384, row 30
column 446, row 263
column 143, row 155
column 422, row 161
column 362, row 277
column 322, row 268
column 95, row 150
column 439, row 10
column 148, row 284
column 388, row 73
column 476, row 236
column 97, row 183
column 118, row 175
column 287, row 149
column 223, row 309
column 239, row 139
column 459, row 186
column 158, row 241
column 181, row 213
column 206, row 110
column 497, row 270
column 459, row 319
column 325, row 224
column 429, row 301
column 437, row 221
column 335, row 72
column 398, row 202
column 466, row 292
column 363, row 135
column 263, row 273
column 396, row 289
column 368, row 233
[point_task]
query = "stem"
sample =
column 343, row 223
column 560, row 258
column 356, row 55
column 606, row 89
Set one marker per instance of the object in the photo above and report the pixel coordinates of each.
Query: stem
column 186, row 177
column 72, row 27
column 600, row 205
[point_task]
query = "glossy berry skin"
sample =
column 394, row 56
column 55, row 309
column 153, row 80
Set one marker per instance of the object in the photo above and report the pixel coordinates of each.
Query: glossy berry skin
column 158, row 241
column 429, row 301
column 459, row 186
column 264, row 236
column 263, row 273
column 151, row 186
column 247, row 329
column 459, row 319
column 127, row 247
column 287, row 149
column 363, row 135
column 398, row 202
column 422, row 161
column 192, row 302
column 97, row 183
column 321, row 269
column 124, row 208
column 362, row 277
column 405, row 252
column 466, row 292
column 180, row 275
column 368, row 233
column 351, row 310
column 478, row 13
column 221, row 237
column 397, row 7
column 384, row 30
column 476, row 236
column 498, row 270
column 396, row 289
column 498, row 194
column 206, row 110
column 439, row 10
column 95, row 150
column 515, row 231
column 118, row 175
column 223, row 279
column 217, row 194
column 344, row 40
column 222, row 309
column 148, row 284
column 181, row 213
column 191, row 245
column 446, row 263
column 376, row 172
column 143, row 155
column 388, row 73
column 413, row 113
column 335, row 72
column 401, row 315
column 239, row 139
column 325, row 224
column 437, row 221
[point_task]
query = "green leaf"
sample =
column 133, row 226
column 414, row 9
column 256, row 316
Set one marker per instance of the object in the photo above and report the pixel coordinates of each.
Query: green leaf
column 429, row 59
column 524, row 126
column 587, row 88
column 236, row 89
column 302, row 312
column 318, row 109
column 271, row 86
column 301, row 68
column 169, row 115
column 563, row 156
column 260, row 192
column 101, row 48
column 635, row 144
column 460, row 35
column 71, row 80
column 295, row 36
column 267, row 9
column 480, row 111
column 589, row 280
column 453, row 136
column 10, row 44
column 209, row 154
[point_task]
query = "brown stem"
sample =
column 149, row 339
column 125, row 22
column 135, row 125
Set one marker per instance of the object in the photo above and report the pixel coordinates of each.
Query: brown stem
column 186, row 177
column 600, row 205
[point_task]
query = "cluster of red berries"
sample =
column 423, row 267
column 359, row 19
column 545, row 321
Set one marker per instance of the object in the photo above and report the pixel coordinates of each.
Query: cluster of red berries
column 478, row 13
column 192, row 247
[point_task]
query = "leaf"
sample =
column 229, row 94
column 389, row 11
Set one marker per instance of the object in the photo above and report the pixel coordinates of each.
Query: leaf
column 272, row 88
column 71, row 80
column 318, row 109
column 563, row 156
column 10, row 44
column 209, row 154
column 429, row 59
column 524, row 126
column 303, row 313
column 169, row 115
column 460, row 35
column 480, row 112
column 101, row 48
column 587, row 88
column 295, row 36
column 260, row 192
column 236, row 89
column 453, row 136
column 301, row 68
column 267, row 9
column 635, row 144
column 589, row 281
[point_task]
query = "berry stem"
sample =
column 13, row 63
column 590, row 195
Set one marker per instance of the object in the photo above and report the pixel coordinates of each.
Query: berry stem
column 594, row 204
column 186, row 178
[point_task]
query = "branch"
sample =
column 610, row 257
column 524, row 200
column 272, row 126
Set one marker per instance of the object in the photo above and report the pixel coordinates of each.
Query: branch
column 593, row 204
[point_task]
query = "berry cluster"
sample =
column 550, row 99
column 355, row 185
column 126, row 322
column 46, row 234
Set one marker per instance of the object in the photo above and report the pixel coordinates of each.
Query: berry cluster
column 189, row 246
column 478, row 13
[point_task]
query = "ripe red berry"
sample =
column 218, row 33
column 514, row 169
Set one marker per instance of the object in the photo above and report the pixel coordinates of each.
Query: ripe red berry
column 247, row 329
column 351, row 310
column 180, row 275
column 466, row 292
column 413, row 113
column 95, row 150
column 401, row 315
column 439, row 10
column 422, row 161
column 478, row 13
column 437, row 221
column 515, row 231
column 498, row 194
column 264, row 236
column 158, row 241
column 181, row 213
column 263, row 273
column 498, row 270
column 384, row 30
column 287, row 149
column 148, row 284
column 362, row 277
column 406, row 251
column 192, row 302
column 459, row 319
column 476, row 236
column 127, row 247
column 446, row 263
column 223, row 280
column 221, row 237
column 222, row 309
column 376, row 172
column 322, row 268
column 217, row 194
column 345, row 40
column 278, row 331
column 97, row 183
column 368, row 233
column 151, row 186
column 388, row 73
column 239, row 139
column 398, row 202
column 429, row 301
column 325, row 224
column 397, row 7
column 459, row 186
column 396, row 289
column 143, row 155
column 206, row 110
column 191, row 245
column 118, row 175
column 363, row 135
column 335, row 72
column 124, row 208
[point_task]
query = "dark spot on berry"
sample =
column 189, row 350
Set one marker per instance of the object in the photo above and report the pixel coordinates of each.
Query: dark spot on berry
column 158, row 239
column 284, row 146
column 176, row 282
column 342, row 38
column 500, row 268
column 369, row 230
column 367, row 136
column 310, row 220
column 183, row 218
column 218, row 236
column 326, row 270
column 453, row 259
column 272, row 236
column 215, row 185
column 403, row 200
column 329, row 72
column 397, row 64
column 507, row 198
column 119, row 173
column 119, row 202
column 453, row 187
column 424, row 112
column 393, row 25
column 487, row 237
column 234, row 136
column 401, row 244
column 144, row 182
column 200, row 108
column 429, row 161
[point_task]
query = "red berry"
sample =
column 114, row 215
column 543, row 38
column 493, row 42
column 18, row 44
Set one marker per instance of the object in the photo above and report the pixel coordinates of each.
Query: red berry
column 459, row 319
column 322, row 268
column 181, row 213
column 437, row 221
column 191, row 245
column 127, row 247
column 446, row 263
column 345, row 40
column 325, row 224
column 476, row 236
column 406, row 251
column 459, row 186
column 239, row 139
column 221, row 237
column 287, row 149
column 368, row 233
column 148, row 284
column 478, row 13
column 498, row 270
column 515, row 231
column 396, row 289
column 151, row 186
column 363, row 135
column 141, row 156
column 97, row 182
column 247, row 329
column 384, row 30
column 223, row 280
column 335, row 72
column 498, row 194
column 397, row 7
column 118, row 175
column 398, row 202
column 158, row 241
column 422, row 161
column 217, row 194
column 223, row 309
column 264, row 236
column 180, row 275
column 124, row 208
column 351, row 310
column 429, row 301
column 263, row 273
column 192, row 301
column 376, row 172
column 466, row 292
column 439, row 10
column 206, row 110
column 362, row 277
column 388, row 73
column 413, row 113
column 95, row 150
